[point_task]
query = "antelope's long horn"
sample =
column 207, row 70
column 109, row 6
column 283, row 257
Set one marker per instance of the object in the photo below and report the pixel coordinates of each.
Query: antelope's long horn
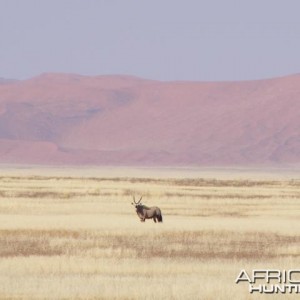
column 134, row 199
column 140, row 199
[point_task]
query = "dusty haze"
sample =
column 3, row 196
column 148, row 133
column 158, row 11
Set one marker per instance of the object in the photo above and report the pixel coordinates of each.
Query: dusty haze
column 121, row 120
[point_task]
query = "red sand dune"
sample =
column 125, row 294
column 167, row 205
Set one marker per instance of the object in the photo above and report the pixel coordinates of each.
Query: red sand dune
column 122, row 120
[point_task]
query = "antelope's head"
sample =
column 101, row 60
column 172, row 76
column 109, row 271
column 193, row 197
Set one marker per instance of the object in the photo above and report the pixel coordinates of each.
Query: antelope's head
column 138, row 204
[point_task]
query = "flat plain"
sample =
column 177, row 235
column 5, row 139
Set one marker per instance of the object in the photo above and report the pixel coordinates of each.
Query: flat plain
column 73, row 234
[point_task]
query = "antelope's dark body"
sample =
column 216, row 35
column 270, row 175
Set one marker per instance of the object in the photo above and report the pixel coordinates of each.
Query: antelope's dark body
column 145, row 212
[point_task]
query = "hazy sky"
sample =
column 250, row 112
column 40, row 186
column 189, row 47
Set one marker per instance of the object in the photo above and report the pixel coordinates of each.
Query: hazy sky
column 156, row 39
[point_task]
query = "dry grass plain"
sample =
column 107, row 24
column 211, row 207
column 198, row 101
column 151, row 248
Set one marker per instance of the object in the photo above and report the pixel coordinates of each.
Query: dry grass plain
column 73, row 234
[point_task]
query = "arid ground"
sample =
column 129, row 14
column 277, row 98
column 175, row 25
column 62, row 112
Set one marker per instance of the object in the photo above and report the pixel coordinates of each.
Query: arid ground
column 73, row 234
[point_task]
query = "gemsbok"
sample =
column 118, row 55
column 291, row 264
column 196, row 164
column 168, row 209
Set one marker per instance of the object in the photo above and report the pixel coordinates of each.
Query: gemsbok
column 144, row 212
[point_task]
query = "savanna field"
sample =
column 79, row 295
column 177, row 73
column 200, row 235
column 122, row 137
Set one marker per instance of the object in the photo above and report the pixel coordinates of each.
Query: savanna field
column 73, row 234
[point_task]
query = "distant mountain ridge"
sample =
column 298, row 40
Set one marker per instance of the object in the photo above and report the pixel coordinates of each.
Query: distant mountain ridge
column 68, row 119
column 5, row 80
